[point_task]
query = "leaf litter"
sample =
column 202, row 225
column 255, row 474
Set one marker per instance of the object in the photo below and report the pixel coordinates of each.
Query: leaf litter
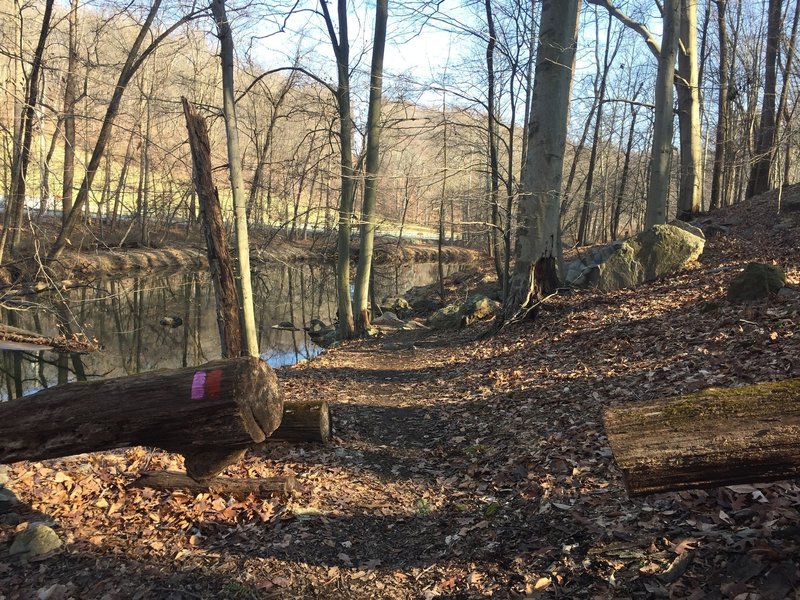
column 463, row 466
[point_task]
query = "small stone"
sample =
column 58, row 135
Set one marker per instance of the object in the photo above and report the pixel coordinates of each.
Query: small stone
column 13, row 519
column 5, row 471
column 36, row 540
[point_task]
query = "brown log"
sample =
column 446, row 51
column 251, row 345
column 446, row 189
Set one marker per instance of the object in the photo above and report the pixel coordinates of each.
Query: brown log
column 304, row 422
column 210, row 414
column 710, row 438
column 219, row 257
column 240, row 488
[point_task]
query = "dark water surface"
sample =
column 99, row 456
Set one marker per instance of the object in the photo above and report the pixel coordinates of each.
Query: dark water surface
column 124, row 315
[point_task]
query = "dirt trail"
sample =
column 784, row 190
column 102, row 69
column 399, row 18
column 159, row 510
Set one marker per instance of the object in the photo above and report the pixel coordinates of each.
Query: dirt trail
column 465, row 467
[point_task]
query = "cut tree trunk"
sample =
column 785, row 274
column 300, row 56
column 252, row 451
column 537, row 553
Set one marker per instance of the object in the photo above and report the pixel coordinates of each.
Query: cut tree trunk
column 304, row 422
column 209, row 414
column 240, row 488
column 219, row 256
column 710, row 438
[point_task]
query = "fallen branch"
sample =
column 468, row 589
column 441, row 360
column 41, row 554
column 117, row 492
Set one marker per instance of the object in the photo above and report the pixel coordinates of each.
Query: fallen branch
column 240, row 488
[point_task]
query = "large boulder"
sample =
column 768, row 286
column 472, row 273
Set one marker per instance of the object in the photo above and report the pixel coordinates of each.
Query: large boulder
column 658, row 251
column 756, row 281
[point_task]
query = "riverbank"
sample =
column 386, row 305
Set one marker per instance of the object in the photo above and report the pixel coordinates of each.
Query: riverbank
column 185, row 250
column 463, row 466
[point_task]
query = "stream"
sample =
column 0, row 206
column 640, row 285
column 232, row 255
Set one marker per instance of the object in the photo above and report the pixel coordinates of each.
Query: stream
column 125, row 314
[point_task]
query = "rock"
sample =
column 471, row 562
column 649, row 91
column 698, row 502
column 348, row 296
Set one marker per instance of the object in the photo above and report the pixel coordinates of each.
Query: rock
column 57, row 591
column 413, row 325
column 8, row 500
column 445, row 318
column 715, row 229
column 756, row 281
column 455, row 316
column 4, row 474
column 658, row 251
column 35, row 540
column 399, row 306
column 477, row 307
column 788, row 292
column 13, row 519
column 688, row 228
column 389, row 319
column 171, row 321
column 321, row 334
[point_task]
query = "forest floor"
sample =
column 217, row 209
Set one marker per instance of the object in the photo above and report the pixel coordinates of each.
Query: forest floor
column 464, row 466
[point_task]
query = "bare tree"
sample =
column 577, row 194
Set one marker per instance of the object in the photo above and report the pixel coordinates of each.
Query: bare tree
column 538, row 249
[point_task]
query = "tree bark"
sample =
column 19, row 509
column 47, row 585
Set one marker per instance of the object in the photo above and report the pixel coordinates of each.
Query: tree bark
column 658, row 187
column 238, row 488
column 538, row 248
column 237, row 180
column 210, row 414
column 687, row 83
column 304, row 422
column 722, row 134
column 759, row 181
column 341, row 49
column 219, row 258
column 373, row 161
column 70, row 100
column 710, row 438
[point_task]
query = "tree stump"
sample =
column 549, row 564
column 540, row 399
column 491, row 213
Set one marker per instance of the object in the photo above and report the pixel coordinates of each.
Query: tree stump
column 304, row 422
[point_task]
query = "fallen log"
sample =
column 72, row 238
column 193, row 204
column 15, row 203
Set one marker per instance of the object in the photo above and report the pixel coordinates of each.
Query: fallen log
column 210, row 414
column 240, row 488
column 304, row 422
column 709, row 438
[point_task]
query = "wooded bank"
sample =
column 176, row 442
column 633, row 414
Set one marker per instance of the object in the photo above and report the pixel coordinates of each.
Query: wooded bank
column 710, row 438
column 209, row 414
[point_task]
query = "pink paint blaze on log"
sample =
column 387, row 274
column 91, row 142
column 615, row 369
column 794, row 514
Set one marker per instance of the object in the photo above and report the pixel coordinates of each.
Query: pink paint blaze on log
column 198, row 385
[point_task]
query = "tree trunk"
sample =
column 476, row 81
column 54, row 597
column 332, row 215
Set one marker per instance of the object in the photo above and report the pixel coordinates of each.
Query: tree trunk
column 538, row 247
column 210, row 414
column 70, row 100
column 658, row 188
column 304, row 422
column 341, row 48
column 219, row 258
column 710, row 438
column 721, row 140
column 373, row 160
column 687, row 83
column 759, row 181
column 237, row 180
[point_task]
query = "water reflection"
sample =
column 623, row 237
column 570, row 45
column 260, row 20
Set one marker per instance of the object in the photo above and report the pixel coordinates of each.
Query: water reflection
column 125, row 315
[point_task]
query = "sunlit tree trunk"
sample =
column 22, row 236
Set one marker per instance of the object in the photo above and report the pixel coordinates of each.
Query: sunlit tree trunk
column 688, row 87
column 237, row 180
column 373, row 160
column 538, row 247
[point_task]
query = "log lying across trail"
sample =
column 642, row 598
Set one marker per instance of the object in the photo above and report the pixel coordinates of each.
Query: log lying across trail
column 170, row 480
column 710, row 438
column 210, row 414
